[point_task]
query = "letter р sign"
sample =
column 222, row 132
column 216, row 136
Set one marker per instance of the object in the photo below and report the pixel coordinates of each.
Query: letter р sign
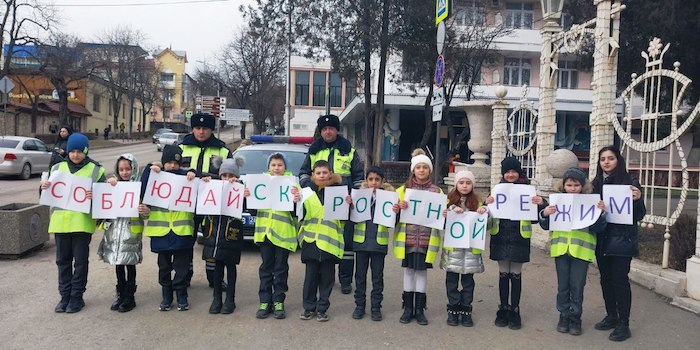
column 443, row 8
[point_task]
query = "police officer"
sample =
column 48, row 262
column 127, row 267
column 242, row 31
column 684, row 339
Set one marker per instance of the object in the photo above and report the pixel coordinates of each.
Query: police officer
column 344, row 161
column 204, row 152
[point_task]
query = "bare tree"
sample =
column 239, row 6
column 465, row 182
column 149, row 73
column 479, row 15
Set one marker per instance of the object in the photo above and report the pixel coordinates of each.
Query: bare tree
column 147, row 88
column 22, row 21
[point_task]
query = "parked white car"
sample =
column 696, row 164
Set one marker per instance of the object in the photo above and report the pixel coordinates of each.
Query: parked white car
column 23, row 156
column 169, row 138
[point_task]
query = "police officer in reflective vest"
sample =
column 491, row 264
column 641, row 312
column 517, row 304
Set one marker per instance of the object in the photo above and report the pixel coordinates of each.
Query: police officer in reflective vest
column 204, row 152
column 344, row 161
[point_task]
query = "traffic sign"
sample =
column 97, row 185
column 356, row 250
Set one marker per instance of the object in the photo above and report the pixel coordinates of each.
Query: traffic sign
column 439, row 71
column 6, row 85
column 240, row 115
column 440, row 37
column 437, row 113
column 442, row 10
column 438, row 96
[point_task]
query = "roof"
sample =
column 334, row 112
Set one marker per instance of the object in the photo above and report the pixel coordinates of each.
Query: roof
column 73, row 107
column 20, row 50
column 178, row 53
column 18, row 138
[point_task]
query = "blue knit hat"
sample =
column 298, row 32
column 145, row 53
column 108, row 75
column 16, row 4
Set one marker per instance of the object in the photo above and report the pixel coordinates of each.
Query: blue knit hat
column 77, row 141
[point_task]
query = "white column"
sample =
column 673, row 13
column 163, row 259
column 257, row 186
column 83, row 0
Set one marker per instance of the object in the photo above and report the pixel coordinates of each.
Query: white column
column 547, row 114
column 498, row 144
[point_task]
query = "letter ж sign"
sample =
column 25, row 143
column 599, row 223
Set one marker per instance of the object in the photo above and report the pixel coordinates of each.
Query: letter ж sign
column 442, row 10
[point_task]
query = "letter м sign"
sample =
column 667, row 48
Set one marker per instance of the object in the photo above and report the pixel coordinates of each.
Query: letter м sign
column 442, row 10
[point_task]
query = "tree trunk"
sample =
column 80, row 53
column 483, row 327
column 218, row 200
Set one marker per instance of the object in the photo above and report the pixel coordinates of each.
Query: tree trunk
column 369, row 120
column 428, row 114
column 383, row 49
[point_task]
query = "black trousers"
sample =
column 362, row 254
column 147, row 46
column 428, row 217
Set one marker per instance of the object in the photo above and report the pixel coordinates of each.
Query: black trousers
column 318, row 284
column 72, row 251
column 375, row 261
column 274, row 271
column 231, row 274
column 454, row 295
column 615, row 283
column 126, row 274
column 180, row 261
column 347, row 265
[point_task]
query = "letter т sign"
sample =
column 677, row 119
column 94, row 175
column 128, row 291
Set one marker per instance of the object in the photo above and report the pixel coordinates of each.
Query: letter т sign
column 443, row 8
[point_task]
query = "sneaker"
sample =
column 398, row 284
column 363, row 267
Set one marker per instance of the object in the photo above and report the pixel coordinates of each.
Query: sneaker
column 608, row 323
column 346, row 288
column 307, row 315
column 376, row 315
column 322, row 316
column 359, row 313
column 264, row 310
column 279, row 312
column 183, row 307
column 165, row 305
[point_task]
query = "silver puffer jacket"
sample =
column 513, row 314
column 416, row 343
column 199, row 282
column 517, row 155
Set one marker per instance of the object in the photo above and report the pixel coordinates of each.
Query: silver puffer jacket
column 120, row 246
column 461, row 260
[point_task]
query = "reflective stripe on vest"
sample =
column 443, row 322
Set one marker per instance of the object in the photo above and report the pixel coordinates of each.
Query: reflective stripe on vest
column 67, row 221
column 525, row 228
column 341, row 163
column 276, row 226
column 580, row 244
column 360, row 231
column 194, row 152
column 400, row 238
column 161, row 221
column 327, row 234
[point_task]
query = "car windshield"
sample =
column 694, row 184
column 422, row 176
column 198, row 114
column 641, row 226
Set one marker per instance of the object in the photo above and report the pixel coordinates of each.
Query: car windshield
column 162, row 131
column 8, row 143
column 256, row 161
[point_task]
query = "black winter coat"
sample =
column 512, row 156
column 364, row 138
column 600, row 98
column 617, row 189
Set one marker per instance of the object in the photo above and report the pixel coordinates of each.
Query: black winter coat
column 618, row 239
column 223, row 238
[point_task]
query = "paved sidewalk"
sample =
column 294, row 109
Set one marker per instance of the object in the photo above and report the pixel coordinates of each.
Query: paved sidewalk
column 28, row 295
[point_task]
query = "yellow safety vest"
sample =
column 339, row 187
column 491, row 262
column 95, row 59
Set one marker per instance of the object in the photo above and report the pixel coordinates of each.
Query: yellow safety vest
column 341, row 163
column 580, row 244
column 382, row 233
column 68, row 221
column 525, row 228
column 194, row 152
column 328, row 234
column 277, row 226
column 161, row 221
column 400, row 237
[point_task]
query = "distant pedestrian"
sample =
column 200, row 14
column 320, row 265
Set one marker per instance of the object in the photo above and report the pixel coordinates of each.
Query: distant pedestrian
column 59, row 148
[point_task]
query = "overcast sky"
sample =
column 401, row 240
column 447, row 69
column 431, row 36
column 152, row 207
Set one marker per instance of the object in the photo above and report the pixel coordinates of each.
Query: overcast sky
column 200, row 27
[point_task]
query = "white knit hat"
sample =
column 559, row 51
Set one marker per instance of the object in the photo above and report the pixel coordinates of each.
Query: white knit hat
column 420, row 157
column 465, row 174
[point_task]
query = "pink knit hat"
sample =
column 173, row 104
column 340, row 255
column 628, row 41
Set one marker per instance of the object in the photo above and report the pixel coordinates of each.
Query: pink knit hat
column 465, row 174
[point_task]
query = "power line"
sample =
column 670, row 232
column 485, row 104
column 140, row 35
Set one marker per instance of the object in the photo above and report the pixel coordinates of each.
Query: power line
column 144, row 4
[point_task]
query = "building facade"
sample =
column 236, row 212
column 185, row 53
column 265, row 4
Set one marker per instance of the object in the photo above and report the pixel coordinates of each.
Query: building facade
column 175, row 85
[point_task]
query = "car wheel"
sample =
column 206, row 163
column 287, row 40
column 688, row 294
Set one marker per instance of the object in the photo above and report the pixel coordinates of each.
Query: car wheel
column 26, row 172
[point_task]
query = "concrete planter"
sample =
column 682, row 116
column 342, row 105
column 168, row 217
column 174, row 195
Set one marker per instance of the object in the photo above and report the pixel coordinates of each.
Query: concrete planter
column 23, row 227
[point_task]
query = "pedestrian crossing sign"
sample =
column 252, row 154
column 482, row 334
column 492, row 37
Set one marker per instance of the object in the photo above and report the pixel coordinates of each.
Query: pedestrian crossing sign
column 442, row 10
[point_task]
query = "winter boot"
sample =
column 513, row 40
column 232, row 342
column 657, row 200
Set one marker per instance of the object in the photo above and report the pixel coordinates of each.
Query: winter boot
column 129, row 302
column 359, row 312
column 75, row 304
column 167, row 301
column 502, row 315
column 407, row 315
column 182, row 304
column 574, row 326
column 607, row 323
column 621, row 332
column 564, row 324
column 216, row 303
column 514, row 321
column 120, row 297
column 453, row 314
column 229, row 304
column 420, row 306
column 376, row 314
column 467, row 316
column 63, row 304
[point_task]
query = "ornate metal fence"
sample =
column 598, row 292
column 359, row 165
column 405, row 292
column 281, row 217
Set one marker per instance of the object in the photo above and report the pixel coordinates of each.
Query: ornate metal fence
column 520, row 135
column 655, row 119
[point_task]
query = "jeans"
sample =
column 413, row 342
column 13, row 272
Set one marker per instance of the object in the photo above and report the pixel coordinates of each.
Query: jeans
column 571, row 277
column 375, row 261
column 454, row 295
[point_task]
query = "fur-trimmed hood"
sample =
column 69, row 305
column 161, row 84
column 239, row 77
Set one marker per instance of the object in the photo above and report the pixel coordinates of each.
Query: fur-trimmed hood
column 335, row 179
column 558, row 186
column 386, row 186
column 341, row 143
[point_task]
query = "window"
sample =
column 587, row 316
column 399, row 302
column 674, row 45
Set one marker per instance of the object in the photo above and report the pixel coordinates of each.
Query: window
column 470, row 13
column 468, row 74
column 167, row 77
column 110, row 106
column 301, row 91
column 96, row 102
column 336, row 90
column 516, row 71
column 300, row 127
column 166, row 113
column 568, row 76
column 519, row 15
column 319, row 88
column 349, row 91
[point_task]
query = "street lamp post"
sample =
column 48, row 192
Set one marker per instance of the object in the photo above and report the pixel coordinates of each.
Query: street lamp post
column 549, row 59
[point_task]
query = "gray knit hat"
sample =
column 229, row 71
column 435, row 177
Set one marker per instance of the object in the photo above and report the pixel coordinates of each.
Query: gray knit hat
column 231, row 166
column 576, row 174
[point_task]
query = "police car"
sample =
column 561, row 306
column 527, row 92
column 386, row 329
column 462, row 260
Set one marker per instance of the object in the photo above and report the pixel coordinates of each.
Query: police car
column 255, row 155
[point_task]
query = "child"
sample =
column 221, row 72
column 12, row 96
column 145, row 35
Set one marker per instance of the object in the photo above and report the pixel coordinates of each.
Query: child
column 121, row 244
column 276, row 236
column 617, row 245
column 572, row 252
column 370, row 244
column 510, row 246
column 322, row 245
column 222, row 242
column 73, row 230
column 171, row 235
column 461, row 264
column 417, row 245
